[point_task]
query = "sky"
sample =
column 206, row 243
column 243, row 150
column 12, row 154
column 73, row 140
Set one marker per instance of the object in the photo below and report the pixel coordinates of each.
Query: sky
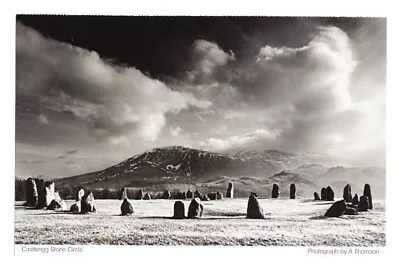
column 93, row 91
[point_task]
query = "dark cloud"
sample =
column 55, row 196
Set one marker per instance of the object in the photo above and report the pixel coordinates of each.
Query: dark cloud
column 112, row 101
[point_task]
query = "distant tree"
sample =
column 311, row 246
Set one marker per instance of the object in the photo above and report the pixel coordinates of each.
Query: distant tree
column 66, row 191
column 105, row 194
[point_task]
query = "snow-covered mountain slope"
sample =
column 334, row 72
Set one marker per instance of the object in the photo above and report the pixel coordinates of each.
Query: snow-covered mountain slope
column 252, row 169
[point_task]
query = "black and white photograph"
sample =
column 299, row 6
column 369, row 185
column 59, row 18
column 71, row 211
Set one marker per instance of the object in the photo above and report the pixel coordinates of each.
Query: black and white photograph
column 200, row 130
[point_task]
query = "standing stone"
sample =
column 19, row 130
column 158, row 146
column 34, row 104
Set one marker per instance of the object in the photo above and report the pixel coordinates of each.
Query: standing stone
column 179, row 210
column 57, row 196
column 50, row 187
column 229, row 192
column 292, row 191
column 181, row 195
column 189, row 194
column 347, row 193
column 123, row 194
column 147, row 196
column 54, row 205
column 316, row 196
column 363, row 204
column 350, row 211
column 57, row 204
column 205, row 198
column 87, row 203
column 197, row 194
column 323, row 196
column 126, row 207
column 337, row 209
column 367, row 193
column 76, row 207
column 195, row 209
column 219, row 195
column 329, row 194
column 139, row 195
column 80, row 194
column 275, row 191
column 41, row 190
column 254, row 210
column 355, row 200
column 212, row 195
column 166, row 195
column 31, row 193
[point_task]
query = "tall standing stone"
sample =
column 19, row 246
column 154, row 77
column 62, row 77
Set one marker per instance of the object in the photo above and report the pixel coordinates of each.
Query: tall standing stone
column 363, row 204
column 50, row 189
column 275, row 191
column 195, row 209
column 41, row 189
column 367, row 193
column 292, row 191
column 316, row 196
column 88, row 203
column 355, row 201
column 139, row 195
column 179, row 210
column 31, row 193
column 347, row 193
column 329, row 194
column 126, row 207
column 80, row 194
column 323, row 196
column 229, row 192
column 254, row 209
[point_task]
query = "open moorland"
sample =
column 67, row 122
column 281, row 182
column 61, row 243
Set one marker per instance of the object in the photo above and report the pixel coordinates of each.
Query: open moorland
column 298, row 222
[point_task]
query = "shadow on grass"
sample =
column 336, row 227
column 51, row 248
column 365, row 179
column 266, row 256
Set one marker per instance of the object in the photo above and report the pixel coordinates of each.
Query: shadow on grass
column 322, row 217
column 204, row 218
column 52, row 212
column 325, row 203
column 225, row 214
column 311, row 200
column 319, row 217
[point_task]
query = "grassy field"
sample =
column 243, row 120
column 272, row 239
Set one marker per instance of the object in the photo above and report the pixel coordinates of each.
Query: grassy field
column 297, row 222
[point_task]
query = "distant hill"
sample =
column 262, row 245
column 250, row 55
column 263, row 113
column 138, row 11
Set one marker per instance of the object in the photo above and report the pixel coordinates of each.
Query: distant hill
column 178, row 167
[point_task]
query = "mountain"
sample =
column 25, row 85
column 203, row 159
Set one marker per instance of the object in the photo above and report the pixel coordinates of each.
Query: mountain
column 178, row 167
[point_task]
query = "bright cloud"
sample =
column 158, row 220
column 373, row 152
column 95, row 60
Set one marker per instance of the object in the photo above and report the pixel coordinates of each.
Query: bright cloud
column 112, row 101
column 218, row 144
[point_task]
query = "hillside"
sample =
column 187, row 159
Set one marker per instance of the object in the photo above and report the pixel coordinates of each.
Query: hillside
column 178, row 167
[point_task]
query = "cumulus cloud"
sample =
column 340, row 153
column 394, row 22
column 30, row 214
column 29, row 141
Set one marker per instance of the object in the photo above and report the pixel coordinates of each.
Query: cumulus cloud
column 112, row 101
column 304, row 93
column 208, row 61
column 237, row 141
